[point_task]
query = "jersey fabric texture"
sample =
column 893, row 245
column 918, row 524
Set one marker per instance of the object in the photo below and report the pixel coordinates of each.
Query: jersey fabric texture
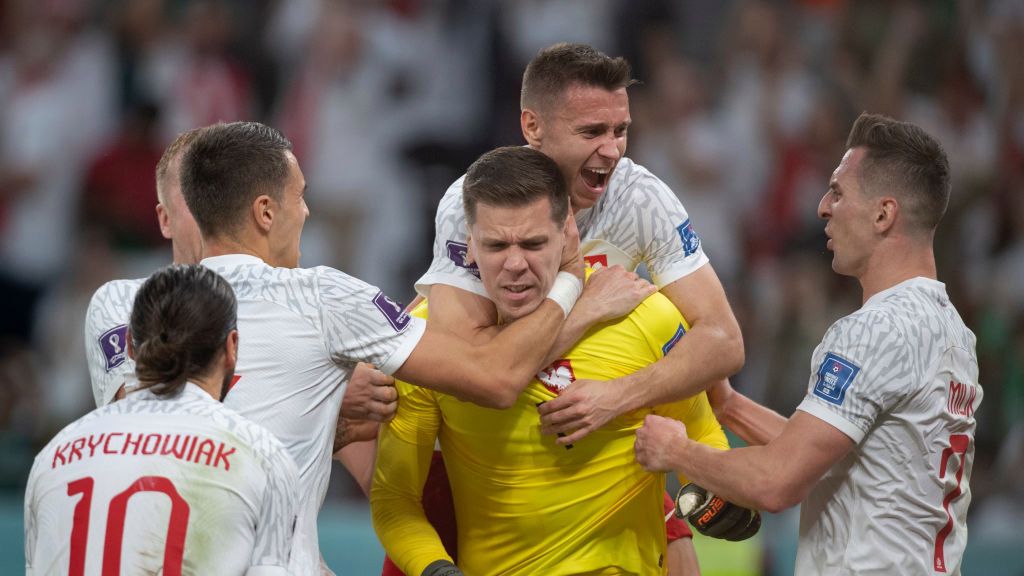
column 637, row 220
column 301, row 333
column 900, row 378
column 106, row 348
column 523, row 504
column 150, row 483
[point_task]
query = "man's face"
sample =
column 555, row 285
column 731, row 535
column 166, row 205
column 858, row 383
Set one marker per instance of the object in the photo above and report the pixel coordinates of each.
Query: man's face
column 518, row 252
column 289, row 218
column 586, row 136
column 176, row 222
column 849, row 213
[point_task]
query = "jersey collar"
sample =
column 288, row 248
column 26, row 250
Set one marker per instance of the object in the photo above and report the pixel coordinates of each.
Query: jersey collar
column 231, row 260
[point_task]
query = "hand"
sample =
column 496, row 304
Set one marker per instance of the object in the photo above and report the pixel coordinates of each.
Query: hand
column 612, row 293
column 655, row 441
column 583, row 407
column 572, row 258
column 715, row 517
column 370, row 395
column 349, row 431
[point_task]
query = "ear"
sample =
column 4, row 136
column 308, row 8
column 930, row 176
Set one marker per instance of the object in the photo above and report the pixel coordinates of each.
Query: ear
column 470, row 257
column 263, row 212
column 231, row 350
column 164, row 219
column 886, row 213
column 131, row 347
column 533, row 131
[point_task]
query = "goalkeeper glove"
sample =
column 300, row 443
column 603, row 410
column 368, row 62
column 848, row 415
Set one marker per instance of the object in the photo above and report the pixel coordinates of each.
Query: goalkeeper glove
column 441, row 568
column 715, row 517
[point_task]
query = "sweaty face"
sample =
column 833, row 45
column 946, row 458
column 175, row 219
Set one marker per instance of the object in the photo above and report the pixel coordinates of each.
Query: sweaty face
column 518, row 252
column 586, row 136
column 176, row 222
column 289, row 218
column 849, row 214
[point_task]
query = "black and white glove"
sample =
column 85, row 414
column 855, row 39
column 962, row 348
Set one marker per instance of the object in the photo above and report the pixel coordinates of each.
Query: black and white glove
column 712, row 516
column 441, row 568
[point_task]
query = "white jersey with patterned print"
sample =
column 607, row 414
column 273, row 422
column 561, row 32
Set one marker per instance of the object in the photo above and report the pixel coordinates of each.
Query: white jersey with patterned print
column 161, row 485
column 637, row 220
column 301, row 333
column 106, row 350
column 900, row 378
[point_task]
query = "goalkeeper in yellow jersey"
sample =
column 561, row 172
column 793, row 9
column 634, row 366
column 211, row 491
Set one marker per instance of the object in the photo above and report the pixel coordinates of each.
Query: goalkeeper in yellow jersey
column 523, row 503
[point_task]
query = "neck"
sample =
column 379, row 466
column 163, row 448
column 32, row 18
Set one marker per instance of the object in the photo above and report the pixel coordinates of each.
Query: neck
column 210, row 383
column 898, row 263
column 222, row 246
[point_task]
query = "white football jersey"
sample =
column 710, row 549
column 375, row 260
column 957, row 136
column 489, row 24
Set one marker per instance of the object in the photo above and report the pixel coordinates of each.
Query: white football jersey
column 900, row 378
column 151, row 485
column 637, row 220
column 301, row 333
column 106, row 350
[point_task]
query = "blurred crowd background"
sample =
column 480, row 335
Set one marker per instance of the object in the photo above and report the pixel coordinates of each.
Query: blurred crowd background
column 743, row 110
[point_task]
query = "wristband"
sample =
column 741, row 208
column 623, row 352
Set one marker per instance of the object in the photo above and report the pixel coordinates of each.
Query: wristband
column 566, row 290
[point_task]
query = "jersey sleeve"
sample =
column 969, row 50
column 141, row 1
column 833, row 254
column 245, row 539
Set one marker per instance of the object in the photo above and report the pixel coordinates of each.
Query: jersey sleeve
column 278, row 512
column 405, row 449
column 361, row 324
column 31, row 528
column 670, row 243
column 450, row 265
column 106, row 346
column 859, row 371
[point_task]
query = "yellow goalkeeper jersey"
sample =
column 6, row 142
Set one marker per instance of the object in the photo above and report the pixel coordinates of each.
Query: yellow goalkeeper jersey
column 525, row 505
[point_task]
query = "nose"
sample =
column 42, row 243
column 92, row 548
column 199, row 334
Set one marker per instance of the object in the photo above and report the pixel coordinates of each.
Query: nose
column 515, row 261
column 823, row 208
column 610, row 147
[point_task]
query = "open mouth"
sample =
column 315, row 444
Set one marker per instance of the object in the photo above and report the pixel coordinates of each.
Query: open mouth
column 595, row 178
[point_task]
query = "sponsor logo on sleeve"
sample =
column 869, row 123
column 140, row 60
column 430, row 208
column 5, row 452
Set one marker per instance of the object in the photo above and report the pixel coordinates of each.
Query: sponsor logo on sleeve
column 557, row 376
column 391, row 310
column 680, row 332
column 457, row 253
column 834, row 376
column 691, row 242
column 114, row 346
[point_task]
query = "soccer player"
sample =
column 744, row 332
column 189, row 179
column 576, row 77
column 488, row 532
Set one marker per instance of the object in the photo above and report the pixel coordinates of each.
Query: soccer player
column 575, row 109
column 880, row 450
column 167, row 480
column 306, row 328
column 525, row 504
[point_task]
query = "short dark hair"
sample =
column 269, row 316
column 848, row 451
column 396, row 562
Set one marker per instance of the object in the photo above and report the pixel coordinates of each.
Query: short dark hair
column 515, row 176
column 903, row 159
column 173, row 152
column 180, row 320
column 558, row 67
column 226, row 168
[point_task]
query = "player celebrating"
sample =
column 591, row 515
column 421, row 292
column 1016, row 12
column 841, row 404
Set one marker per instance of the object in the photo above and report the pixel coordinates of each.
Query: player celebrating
column 308, row 327
column 201, row 489
column 575, row 109
column 524, row 504
column 880, row 450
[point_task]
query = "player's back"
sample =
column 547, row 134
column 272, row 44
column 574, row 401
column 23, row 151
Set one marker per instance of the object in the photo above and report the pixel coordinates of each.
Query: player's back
column 301, row 333
column 178, row 485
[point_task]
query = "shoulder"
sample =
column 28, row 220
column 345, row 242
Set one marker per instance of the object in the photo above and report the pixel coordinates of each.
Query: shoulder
column 633, row 179
column 113, row 299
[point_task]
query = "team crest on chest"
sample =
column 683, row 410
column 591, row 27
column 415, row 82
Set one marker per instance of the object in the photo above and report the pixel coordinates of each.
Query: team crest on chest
column 557, row 376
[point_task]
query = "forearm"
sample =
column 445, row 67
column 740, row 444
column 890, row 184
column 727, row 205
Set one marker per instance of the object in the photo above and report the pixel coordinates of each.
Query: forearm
column 728, row 473
column 396, row 505
column 358, row 458
column 577, row 324
column 755, row 424
column 704, row 355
